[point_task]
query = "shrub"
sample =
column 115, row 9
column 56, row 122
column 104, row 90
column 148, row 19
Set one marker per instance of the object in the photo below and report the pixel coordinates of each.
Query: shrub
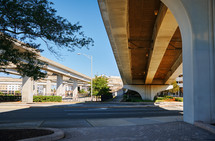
column 160, row 98
column 47, row 98
column 137, row 100
column 82, row 91
column 180, row 99
column 7, row 98
column 168, row 97
column 106, row 96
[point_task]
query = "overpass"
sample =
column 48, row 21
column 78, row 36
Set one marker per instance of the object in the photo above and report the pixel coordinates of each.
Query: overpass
column 150, row 38
column 56, row 72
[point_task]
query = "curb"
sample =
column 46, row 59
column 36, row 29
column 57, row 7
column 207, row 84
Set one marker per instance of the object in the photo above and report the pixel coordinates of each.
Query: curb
column 14, row 107
column 58, row 134
column 205, row 126
column 96, row 107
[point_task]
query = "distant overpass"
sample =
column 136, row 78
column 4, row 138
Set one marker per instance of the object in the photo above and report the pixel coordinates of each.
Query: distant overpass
column 147, row 38
column 55, row 71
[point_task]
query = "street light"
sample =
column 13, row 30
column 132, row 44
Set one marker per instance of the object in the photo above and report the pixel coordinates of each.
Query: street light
column 91, row 58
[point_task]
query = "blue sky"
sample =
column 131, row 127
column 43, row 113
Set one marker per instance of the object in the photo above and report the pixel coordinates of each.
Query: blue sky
column 87, row 13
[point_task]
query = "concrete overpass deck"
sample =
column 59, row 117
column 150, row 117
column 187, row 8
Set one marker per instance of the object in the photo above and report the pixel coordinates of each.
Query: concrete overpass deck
column 147, row 38
column 146, row 42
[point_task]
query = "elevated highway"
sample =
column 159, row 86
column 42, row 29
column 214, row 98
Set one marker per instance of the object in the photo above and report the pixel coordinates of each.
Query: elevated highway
column 147, row 38
column 55, row 72
column 146, row 42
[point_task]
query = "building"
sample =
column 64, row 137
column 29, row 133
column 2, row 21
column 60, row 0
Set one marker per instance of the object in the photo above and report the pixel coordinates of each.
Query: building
column 115, row 83
column 10, row 85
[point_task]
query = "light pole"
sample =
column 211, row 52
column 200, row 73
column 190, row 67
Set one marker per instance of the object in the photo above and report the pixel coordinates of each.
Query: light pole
column 91, row 58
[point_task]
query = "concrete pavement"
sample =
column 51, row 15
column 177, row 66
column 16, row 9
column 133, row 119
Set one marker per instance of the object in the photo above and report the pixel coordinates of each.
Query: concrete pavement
column 161, row 128
column 172, row 131
column 104, row 122
column 169, row 128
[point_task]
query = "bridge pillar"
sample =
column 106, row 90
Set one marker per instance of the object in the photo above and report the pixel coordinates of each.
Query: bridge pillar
column 48, row 87
column 197, row 24
column 64, row 90
column 147, row 92
column 75, row 88
column 35, row 88
column 80, row 87
column 27, row 90
column 59, row 88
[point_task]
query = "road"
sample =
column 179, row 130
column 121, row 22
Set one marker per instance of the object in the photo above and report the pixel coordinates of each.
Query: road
column 56, row 113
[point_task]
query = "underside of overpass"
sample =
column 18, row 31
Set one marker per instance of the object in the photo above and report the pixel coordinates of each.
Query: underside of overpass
column 146, row 42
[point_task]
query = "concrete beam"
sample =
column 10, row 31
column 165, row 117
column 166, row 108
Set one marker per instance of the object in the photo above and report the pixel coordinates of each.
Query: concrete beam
column 147, row 92
column 165, row 27
column 114, row 14
column 175, row 71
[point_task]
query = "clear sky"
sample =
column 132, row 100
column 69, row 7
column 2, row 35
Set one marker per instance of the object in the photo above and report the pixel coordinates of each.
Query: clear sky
column 88, row 14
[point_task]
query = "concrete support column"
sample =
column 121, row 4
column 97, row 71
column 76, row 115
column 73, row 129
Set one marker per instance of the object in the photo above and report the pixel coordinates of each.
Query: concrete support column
column 35, row 88
column 197, row 25
column 75, row 88
column 64, row 90
column 147, row 92
column 44, row 90
column 48, row 87
column 27, row 90
column 59, row 85
column 80, row 87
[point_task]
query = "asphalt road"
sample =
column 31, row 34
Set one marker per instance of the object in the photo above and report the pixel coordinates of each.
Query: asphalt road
column 55, row 113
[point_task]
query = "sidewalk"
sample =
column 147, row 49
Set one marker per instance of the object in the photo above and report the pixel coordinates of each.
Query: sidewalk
column 173, row 131
column 165, row 128
column 170, row 128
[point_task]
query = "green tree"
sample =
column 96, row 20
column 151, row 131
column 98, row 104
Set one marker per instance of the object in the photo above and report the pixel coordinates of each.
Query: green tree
column 24, row 22
column 175, row 87
column 100, row 86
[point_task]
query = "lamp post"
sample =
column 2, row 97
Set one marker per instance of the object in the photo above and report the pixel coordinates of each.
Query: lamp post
column 91, row 58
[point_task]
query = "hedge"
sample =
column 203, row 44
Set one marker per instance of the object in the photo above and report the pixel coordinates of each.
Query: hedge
column 180, row 99
column 47, row 98
column 7, row 98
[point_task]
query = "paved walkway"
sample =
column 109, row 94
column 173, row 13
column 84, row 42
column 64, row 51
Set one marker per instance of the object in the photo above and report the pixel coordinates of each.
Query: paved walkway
column 173, row 131
column 169, row 128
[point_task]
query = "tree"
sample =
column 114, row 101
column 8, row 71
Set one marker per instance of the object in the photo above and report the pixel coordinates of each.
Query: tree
column 24, row 22
column 100, row 86
column 175, row 87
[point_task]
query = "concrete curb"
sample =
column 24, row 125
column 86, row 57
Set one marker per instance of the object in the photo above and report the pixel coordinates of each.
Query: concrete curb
column 96, row 107
column 14, row 107
column 126, row 103
column 58, row 134
column 205, row 126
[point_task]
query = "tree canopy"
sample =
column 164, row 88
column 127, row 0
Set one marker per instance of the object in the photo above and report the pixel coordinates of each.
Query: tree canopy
column 26, row 21
column 175, row 87
column 100, row 86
